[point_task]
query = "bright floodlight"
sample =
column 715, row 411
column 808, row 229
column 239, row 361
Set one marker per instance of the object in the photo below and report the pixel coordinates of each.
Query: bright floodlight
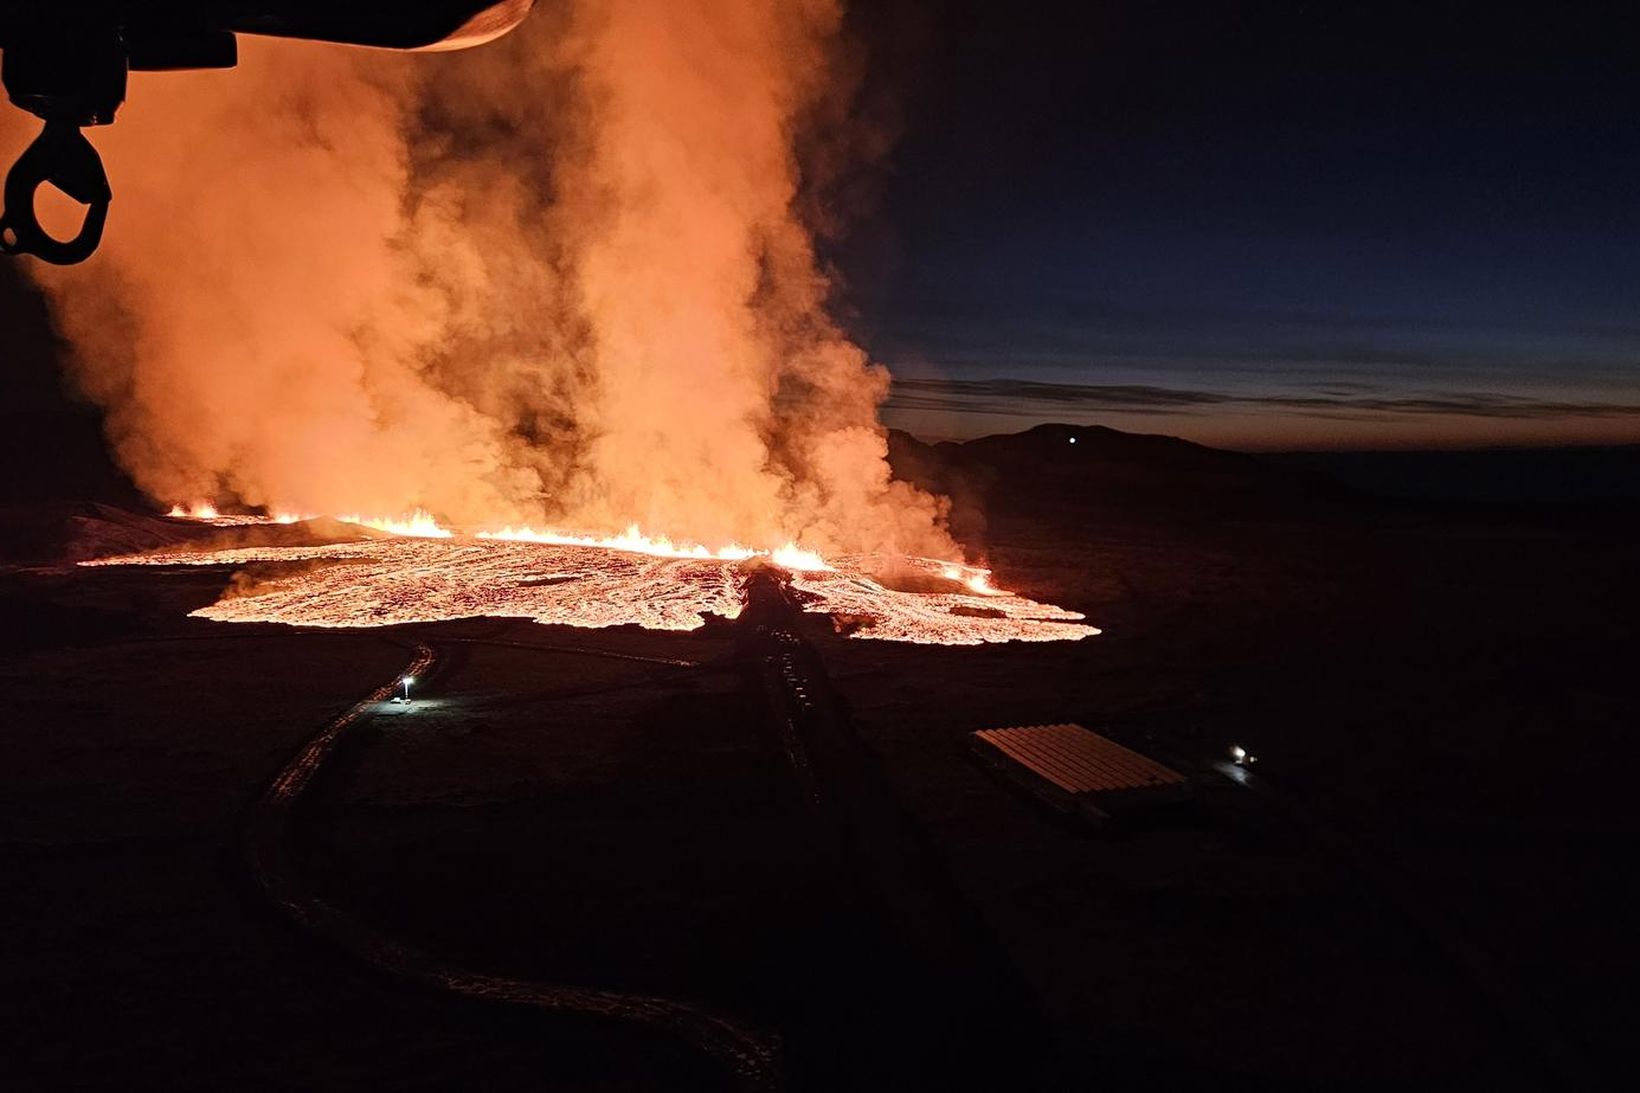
column 409, row 680
column 1073, row 440
column 1237, row 752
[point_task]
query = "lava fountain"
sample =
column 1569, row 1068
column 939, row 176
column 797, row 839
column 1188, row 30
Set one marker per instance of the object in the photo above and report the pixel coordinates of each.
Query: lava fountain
column 567, row 281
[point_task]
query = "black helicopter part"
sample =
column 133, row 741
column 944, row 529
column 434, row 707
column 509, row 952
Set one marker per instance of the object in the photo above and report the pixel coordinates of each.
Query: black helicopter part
column 66, row 63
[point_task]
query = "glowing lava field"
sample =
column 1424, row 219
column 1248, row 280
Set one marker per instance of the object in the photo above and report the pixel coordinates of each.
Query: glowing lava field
column 435, row 574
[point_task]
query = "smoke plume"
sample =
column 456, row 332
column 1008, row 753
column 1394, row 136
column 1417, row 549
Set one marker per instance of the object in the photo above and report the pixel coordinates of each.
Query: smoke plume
column 559, row 280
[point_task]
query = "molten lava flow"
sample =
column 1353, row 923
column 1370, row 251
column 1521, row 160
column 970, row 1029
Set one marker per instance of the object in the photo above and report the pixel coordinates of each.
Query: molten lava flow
column 969, row 612
column 381, row 582
column 422, row 572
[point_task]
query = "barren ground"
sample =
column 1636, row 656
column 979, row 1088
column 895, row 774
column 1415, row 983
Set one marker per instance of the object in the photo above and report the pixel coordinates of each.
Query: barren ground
column 1430, row 887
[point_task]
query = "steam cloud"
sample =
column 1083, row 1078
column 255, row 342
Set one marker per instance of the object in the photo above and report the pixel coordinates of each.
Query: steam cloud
column 558, row 280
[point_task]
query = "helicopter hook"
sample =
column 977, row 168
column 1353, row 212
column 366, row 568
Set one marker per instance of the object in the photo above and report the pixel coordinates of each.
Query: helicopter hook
column 62, row 156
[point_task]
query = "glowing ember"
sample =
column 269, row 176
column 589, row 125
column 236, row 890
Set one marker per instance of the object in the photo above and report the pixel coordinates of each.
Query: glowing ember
column 426, row 573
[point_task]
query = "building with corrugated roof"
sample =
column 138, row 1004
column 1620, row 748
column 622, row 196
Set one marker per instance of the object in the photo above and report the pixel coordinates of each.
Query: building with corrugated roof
column 1076, row 770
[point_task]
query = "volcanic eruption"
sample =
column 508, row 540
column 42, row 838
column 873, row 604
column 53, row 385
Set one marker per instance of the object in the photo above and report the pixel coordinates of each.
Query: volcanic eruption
column 547, row 303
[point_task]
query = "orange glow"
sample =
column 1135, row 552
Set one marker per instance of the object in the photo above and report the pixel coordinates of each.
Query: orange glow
column 417, row 525
column 607, row 314
column 976, row 579
column 633, row 263
column 421, row 524
column 631, row 540
column 791, row 556
column 206, row 513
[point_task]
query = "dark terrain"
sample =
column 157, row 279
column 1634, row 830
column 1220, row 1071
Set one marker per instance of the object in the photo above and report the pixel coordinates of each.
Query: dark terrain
column 1424, row 884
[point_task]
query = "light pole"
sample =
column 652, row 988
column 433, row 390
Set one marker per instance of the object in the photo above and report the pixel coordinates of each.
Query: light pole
column 407, row 681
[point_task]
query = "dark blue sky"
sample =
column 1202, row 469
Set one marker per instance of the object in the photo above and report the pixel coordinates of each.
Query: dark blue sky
column 1267, row 225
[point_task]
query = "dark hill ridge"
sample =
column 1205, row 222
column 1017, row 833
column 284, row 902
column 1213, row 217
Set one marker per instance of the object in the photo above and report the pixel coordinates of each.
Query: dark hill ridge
column 1104, row 473
column 64, row 532
column 70, row 531
column 1092, row 469
column 1065, row 472
column 1597, row 475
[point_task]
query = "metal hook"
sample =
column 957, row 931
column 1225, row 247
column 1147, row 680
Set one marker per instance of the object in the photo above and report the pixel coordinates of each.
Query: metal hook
column 63, row 157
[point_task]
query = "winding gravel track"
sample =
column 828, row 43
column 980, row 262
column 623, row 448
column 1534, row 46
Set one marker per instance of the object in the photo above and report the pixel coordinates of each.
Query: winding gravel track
column 751, row 1058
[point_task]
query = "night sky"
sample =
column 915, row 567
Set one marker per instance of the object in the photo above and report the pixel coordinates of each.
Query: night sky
column 1267, row 225
column 1264, row 226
